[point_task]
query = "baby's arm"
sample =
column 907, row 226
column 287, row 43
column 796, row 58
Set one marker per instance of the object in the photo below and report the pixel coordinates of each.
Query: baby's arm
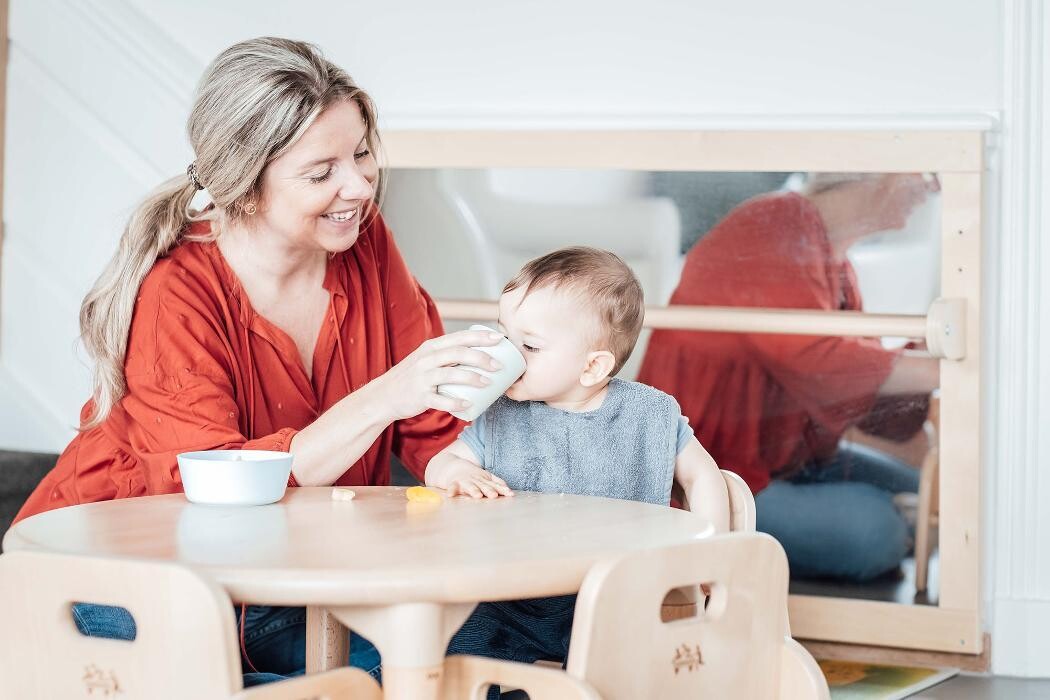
column 456, row 470
column 704, row 487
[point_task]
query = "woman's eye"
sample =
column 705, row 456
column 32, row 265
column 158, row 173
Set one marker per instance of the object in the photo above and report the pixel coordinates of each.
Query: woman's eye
column 318, row 179
column 529, row 348
column 363, row 154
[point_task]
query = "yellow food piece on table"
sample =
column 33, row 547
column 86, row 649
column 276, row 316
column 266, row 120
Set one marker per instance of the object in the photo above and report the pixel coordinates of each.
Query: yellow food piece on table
column 421, row 494
column 343, row 494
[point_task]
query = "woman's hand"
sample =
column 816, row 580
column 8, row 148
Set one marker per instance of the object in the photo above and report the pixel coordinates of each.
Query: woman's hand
column 410, row 386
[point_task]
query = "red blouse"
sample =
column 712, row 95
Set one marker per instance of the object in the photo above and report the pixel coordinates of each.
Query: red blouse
column 763, row 404
column 205, row 371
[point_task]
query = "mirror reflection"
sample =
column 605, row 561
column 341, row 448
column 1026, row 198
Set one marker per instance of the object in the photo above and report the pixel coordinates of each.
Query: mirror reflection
column 833, row 435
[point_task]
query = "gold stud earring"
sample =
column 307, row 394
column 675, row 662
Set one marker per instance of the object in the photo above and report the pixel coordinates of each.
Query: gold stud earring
column 250, row 208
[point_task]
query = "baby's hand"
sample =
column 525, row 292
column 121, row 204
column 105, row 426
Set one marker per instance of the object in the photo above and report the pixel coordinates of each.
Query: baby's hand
column 478, row 483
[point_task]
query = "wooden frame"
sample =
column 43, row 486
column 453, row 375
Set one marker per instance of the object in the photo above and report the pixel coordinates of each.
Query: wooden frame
column 957, row 156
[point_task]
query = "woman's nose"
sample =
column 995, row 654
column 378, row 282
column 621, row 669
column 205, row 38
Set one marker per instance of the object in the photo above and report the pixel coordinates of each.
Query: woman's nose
column 356, row 185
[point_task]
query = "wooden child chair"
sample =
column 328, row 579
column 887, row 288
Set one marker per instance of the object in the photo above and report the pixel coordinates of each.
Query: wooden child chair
column 185, row 645
column 468, row 678
column 681, row 602
column 736, row 647
column 741, row 503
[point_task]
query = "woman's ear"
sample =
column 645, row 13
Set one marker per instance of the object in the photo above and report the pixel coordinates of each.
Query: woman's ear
column 599, row 365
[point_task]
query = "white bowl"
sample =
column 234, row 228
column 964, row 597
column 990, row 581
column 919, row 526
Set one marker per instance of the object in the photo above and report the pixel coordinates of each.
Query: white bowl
column 235, row 477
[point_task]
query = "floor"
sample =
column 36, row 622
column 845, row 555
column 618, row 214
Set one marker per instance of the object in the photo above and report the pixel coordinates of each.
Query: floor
column 985, row 688
column 893, row 588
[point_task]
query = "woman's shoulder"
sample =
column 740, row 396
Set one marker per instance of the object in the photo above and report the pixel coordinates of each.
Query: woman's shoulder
column 773, row 210
column 188, row 276
column 780, row 230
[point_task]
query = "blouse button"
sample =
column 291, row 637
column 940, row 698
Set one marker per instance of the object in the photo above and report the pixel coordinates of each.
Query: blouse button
column 232, row 414
column 279, row 406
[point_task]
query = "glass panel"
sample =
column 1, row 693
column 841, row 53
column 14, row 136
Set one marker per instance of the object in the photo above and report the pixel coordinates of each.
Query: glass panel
column 821, row 415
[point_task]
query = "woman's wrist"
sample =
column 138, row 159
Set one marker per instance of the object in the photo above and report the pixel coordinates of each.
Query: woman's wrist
column 337, row 439
column 375, row 396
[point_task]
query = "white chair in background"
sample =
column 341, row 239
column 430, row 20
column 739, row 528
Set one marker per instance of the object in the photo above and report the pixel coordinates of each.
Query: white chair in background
column 466, row 232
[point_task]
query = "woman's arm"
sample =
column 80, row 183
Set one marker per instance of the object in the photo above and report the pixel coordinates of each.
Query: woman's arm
column 912, row 373
column 327, row 447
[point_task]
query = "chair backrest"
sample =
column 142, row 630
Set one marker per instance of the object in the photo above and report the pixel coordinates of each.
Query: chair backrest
column 681, row 602
column 185, row 646
column 736, row 647
column 469, row 677
column 741, row 503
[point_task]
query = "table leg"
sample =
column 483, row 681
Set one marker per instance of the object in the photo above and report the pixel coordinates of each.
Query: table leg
column 412, row 639
column 327, row 641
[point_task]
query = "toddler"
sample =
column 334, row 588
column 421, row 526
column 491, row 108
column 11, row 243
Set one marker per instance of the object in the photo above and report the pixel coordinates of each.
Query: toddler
column 569, row 426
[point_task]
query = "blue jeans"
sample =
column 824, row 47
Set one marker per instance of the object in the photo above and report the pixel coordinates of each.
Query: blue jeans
column 518, row 630
column 836, row 519
column 274, row 638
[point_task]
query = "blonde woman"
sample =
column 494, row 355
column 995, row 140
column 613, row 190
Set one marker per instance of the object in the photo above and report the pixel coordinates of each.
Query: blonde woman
column 282, row 317
column 774, row 408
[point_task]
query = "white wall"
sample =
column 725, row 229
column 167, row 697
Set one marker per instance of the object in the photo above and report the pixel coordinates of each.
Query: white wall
column 1017, row 490
column 99, row 89
column 595, row 57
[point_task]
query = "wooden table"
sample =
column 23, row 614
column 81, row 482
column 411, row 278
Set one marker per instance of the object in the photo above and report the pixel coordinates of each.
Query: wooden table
column 404, row 575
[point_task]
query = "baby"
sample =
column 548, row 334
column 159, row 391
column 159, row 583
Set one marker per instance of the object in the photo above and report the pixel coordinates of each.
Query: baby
column 569, row 426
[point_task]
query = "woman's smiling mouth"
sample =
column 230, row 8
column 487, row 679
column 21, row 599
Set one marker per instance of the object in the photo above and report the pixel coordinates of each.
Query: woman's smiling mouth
column 340, row 217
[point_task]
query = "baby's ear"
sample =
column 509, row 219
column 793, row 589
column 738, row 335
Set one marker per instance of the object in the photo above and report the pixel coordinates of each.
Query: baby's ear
column 599, row 365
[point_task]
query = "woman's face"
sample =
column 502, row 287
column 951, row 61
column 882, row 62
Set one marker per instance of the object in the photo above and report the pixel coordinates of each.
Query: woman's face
column 315, row 194
column 898, row 195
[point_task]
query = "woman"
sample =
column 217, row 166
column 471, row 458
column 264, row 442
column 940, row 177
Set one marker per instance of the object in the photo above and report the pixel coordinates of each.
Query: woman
column 774, row 407
column 281, row 317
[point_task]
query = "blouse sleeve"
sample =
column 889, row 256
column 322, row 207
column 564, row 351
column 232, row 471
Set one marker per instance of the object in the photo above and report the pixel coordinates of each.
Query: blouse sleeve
column 412, row 318
column 180, row 393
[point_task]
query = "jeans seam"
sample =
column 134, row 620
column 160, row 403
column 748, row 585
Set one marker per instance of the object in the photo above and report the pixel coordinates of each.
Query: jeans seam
column 271, row 628
column 78, row 618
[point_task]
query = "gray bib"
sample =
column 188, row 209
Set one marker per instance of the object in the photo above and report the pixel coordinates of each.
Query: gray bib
column 626, row 448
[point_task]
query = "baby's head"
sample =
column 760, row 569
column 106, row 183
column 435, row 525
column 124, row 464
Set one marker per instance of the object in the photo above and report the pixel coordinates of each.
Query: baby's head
column 575, row 314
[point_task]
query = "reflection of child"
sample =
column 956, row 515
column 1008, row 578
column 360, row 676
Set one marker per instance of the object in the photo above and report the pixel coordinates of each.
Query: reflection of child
column 568, row 426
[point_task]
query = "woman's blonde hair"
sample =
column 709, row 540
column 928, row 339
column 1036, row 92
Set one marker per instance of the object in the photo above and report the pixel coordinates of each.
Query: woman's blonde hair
column 253, row 103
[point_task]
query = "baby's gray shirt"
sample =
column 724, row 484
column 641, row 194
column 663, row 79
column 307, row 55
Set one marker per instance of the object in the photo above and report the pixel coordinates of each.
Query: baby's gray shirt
column 625, row 448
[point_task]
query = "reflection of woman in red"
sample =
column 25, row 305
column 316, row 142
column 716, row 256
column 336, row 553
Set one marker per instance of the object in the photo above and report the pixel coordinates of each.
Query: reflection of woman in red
column 773, row 407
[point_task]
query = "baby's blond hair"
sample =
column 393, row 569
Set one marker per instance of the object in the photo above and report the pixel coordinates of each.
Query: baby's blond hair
column 603, row 281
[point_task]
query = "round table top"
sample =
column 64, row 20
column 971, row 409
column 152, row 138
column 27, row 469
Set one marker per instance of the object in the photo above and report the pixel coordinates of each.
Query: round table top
column 379, row 548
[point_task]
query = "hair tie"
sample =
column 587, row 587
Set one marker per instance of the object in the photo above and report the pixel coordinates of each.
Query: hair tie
column 191, row 173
